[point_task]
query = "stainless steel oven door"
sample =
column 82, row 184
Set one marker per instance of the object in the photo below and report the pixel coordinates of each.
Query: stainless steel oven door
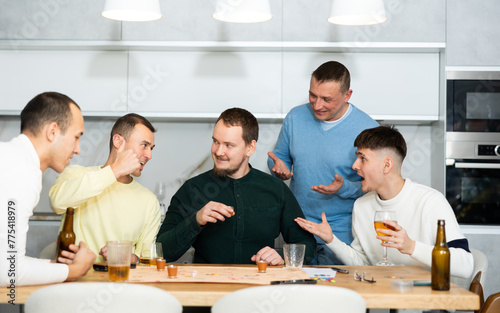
column 473, row 190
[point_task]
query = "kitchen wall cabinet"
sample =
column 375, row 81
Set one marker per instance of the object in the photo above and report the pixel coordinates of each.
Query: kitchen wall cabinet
column 204, row 82
column 96, row 80
column 385, row 85
column 472, row 33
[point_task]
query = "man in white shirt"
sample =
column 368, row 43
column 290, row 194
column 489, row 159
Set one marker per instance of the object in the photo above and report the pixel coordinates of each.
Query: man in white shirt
column 380, row 154
column 51, row 127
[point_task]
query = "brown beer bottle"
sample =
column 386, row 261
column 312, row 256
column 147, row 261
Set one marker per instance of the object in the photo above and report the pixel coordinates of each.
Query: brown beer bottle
column 66, row 236
column 440, row 270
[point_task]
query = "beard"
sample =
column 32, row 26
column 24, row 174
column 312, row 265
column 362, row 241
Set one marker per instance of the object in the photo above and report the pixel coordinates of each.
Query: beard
column 222, row 173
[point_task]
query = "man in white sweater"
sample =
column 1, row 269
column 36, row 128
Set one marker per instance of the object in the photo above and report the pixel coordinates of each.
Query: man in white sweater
column 51, row 127
column 380, row 154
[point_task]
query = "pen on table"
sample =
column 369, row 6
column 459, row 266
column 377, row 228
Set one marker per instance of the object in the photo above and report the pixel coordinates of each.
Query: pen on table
column 340, row 270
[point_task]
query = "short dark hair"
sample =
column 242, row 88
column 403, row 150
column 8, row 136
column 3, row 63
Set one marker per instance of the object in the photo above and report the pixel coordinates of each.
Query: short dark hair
column 125, row 124
column 46, row 108
column 333, row 71
column 382, row 137
column 243, row 118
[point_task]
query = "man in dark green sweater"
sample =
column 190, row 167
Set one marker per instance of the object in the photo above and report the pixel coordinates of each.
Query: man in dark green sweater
column 233, row 213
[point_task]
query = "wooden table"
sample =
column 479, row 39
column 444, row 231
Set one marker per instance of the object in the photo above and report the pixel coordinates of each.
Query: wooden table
column 377, row 295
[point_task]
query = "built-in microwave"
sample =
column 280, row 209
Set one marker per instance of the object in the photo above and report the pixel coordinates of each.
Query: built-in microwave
column 473, row 102
column 473, row 146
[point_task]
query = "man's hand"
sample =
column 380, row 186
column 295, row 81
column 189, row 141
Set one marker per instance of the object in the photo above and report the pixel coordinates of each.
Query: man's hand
column 279, row 167
column 126, row 162
column 323, row 230
column 104, row 252
column 213, row 212
column 82, row 262
column 68, row 256
column 397, row 239
column 269, row 255
column 334, row 187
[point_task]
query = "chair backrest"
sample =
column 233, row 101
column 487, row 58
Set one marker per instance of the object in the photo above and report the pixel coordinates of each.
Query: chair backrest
column 49, row 252
column 492, row 304
column 291, row 299
column 101, row 297
column 477, row 288
column 480, row 265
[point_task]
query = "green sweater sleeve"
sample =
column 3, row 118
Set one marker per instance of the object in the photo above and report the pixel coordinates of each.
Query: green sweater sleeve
column 180, row 228
column 292, row 232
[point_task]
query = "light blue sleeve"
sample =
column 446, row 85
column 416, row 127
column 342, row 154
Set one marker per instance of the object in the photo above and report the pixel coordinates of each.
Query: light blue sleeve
column 350, row 190
column 282, row 148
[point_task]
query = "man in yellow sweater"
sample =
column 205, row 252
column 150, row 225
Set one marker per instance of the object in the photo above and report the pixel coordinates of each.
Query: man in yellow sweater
column 109, row 203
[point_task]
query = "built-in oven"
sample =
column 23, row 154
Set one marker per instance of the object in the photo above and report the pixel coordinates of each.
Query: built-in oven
column 473, row 146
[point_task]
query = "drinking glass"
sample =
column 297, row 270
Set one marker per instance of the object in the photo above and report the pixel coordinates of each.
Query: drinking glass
column 119, row 254
column 379, row 224
column 150, row 253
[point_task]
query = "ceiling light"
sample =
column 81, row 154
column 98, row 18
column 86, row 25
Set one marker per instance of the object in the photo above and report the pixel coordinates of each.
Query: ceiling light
column 357, row 12
column 132, row 10
column 242, row 11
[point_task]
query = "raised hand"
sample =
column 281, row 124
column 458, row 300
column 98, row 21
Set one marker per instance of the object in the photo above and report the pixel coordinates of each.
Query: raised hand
column 279, row 167
column 126, row 161
column 213, row 212
column 332, row 188
column 322, row 230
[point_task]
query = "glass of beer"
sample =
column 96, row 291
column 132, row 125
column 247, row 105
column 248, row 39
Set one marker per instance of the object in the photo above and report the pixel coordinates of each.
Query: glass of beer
column 380, row 216
column 150, row 253
column 119, row 255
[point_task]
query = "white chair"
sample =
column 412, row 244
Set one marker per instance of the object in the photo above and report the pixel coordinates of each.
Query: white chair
column 49, row 252
column 101, row 297
column 480, row 264
column 291, row 299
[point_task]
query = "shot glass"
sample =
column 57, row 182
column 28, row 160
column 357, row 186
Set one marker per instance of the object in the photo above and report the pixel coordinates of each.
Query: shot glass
column 262, row 266
column 172, row 271
column 160, row 264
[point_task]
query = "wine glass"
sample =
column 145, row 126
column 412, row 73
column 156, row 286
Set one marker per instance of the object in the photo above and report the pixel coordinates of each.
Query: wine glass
column 379, row 224
column 161, row 192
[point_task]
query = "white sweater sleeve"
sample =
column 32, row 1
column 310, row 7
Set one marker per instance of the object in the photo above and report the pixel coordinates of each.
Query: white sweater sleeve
column 461, row 261
column 349, row 255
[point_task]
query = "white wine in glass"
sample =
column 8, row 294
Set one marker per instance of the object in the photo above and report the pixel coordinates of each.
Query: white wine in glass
column 380, row 216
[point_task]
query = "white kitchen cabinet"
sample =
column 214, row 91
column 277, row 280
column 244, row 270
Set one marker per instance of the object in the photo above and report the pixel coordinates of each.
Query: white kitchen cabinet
column 394, row 86
column 96, row 80
column 204, row 83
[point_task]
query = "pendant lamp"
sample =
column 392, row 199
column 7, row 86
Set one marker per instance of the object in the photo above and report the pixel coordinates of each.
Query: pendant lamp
column 242, row 11
column 132, row 10
column 357, row 12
